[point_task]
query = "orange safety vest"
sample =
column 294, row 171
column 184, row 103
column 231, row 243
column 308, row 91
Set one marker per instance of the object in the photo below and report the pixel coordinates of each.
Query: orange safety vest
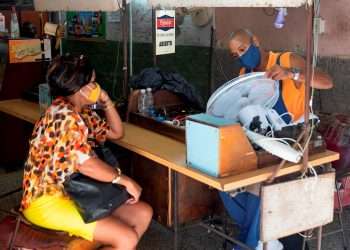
column 293, row 97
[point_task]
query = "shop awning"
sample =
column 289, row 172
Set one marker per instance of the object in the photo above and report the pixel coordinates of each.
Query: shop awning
column 77, row 5
column 230, row 3
column 112, row 5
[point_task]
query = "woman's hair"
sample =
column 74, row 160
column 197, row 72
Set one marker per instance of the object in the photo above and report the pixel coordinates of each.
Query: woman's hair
column 67, row 74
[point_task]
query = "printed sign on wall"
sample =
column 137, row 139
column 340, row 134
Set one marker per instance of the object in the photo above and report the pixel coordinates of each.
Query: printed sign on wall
column 86, row 24
column 165, row 32
column 29, row 50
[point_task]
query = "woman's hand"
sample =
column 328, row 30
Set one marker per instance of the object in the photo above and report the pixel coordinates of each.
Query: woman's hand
column 105, row 100
column 132, row 187
column 104, row 97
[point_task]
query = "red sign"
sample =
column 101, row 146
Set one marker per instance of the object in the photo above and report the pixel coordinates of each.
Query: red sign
column 165, row 22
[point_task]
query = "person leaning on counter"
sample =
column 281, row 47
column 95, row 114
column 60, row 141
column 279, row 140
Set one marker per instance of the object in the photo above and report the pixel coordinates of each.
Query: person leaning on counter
column 289, row 69
column 59, row 147
column 286, row 67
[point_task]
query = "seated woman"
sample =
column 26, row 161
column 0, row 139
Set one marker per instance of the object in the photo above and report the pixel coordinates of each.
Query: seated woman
column 60, row 146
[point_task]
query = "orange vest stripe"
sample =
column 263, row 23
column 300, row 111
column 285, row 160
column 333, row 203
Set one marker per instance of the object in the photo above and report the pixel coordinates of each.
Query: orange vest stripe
column 293, row 97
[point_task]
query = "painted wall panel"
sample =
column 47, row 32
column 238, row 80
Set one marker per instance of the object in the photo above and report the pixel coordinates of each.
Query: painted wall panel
column 334, row 42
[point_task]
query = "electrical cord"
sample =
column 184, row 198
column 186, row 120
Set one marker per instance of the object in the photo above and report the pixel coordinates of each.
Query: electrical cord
column 119, row 4
column 271, row 132
column 283, row 140
column 287, row 113
column 220, row 66
column 312, row 170
column 307, row 236
column 269, row 103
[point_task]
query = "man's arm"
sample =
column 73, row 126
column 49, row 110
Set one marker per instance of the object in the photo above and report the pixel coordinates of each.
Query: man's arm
column 320, row 80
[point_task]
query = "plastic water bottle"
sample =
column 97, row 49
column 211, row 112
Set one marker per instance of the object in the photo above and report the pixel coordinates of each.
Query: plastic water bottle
column 142, row 102
column 149, row 102
column 14, row 24
column 2, row 23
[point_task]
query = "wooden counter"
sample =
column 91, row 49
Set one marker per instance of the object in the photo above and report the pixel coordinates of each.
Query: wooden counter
column 170, row 153
column 22, row 109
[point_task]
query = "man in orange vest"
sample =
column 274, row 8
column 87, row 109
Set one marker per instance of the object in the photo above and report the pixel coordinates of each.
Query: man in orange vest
column 289, row 69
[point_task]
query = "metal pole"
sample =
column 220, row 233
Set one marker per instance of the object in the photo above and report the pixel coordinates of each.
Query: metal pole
column 225, row 236
column 211, row 52
column 154, row 36
column 340, row 215
column 308, row 82
column 130, row 40
column 319, row 238
column 125, row 50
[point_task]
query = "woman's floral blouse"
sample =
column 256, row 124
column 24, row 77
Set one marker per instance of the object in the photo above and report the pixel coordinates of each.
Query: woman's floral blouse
column 62, row 139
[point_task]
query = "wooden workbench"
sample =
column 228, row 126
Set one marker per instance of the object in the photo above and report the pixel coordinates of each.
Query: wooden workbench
column 170, row 153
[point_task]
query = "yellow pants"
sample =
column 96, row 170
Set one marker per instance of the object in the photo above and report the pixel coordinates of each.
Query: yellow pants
column 59, row 213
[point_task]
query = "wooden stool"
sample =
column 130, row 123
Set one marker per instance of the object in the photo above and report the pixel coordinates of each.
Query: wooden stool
column 17, row 232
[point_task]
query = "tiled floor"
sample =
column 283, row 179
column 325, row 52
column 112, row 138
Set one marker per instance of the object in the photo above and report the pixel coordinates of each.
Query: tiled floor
column 192, row 238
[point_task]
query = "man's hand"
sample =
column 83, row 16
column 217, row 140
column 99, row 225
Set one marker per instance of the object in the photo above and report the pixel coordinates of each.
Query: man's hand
column 133, row 189
column 279, row 73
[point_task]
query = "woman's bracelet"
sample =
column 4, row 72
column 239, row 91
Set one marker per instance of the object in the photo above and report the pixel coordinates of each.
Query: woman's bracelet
column 108, row 105
column 116, row 179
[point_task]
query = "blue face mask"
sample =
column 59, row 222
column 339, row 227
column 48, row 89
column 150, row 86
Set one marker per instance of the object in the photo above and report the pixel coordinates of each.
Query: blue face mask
column 251, row 58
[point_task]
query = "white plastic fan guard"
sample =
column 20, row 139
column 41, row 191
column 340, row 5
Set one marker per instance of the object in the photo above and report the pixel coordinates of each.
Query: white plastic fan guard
column 249, row 89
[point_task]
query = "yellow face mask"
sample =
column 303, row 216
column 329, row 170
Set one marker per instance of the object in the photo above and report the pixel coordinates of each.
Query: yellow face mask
column 94, row 93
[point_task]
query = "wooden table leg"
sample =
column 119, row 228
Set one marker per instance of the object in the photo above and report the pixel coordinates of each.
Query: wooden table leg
column 175, row 207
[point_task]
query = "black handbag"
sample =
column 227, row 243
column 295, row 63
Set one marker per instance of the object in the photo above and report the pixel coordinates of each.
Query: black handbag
column 105, row 154
column 94, row 199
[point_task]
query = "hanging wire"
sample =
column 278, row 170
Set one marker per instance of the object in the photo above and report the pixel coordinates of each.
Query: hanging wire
column 314, row 63
column 221, row 68
column 120, row 7
column 116, row 66
column 307, row 235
